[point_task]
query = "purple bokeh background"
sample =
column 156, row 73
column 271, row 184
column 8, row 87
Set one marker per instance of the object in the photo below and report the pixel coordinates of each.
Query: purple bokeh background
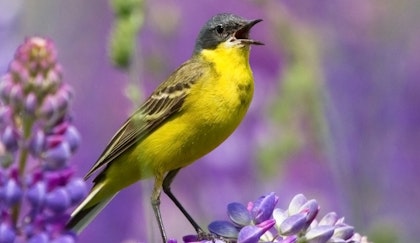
column 363, row 164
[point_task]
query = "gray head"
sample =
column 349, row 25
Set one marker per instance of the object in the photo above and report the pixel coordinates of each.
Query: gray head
column 225, row 27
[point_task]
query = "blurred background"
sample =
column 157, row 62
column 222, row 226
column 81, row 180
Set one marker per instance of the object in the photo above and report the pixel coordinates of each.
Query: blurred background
column 335, row 115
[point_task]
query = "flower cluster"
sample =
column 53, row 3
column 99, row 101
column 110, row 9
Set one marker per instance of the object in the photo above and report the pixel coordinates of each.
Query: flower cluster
column 260, row 221
column 37, row 139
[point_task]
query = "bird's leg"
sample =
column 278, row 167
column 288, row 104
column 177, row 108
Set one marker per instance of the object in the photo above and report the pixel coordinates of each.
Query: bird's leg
column 167, row 189
column 155, row 199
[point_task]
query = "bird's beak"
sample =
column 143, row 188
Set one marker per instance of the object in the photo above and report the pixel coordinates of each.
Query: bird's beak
column 243, row 33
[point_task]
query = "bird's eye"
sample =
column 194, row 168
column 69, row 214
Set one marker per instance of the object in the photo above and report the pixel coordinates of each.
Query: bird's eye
column 220, row 29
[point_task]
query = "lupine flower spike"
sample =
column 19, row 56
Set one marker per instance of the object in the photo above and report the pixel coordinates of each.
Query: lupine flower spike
column 37, row 139
column 261, row 221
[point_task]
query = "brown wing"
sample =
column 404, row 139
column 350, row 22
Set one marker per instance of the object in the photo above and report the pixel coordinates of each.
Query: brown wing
column 165, row 101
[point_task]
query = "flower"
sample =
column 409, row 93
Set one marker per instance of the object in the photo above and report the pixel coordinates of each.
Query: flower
column 249, row 223
column 37, row 139
column 260, row 221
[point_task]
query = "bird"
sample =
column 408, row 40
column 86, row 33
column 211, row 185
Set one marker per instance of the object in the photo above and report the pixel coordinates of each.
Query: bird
column 191, row 113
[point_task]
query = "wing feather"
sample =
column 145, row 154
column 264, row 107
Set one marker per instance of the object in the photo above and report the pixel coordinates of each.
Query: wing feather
column 165, row 101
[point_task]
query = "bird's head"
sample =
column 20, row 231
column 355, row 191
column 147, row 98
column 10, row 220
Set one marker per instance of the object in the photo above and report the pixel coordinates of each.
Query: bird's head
column 228, row 29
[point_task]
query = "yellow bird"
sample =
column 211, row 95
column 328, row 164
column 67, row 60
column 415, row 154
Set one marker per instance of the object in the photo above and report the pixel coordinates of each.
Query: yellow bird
column 187, row 116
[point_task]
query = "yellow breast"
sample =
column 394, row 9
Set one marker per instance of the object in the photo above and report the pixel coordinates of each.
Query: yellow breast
column 226, row 92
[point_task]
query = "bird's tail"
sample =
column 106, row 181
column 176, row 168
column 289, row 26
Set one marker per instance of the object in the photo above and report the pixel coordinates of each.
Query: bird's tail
column 87, row 210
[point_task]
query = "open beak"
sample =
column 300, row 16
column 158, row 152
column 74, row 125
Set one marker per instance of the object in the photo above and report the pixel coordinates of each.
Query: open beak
column 243, row 33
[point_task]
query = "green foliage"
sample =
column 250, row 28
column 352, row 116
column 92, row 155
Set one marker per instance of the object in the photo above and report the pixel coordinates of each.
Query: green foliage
column 129, row 18
column 385, row 232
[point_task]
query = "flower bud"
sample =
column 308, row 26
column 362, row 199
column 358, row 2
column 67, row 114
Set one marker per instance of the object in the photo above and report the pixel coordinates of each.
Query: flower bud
column 10, row 138
column 279, row 216
column 69, row 134
column 37, row 194
column 296, row 203
column 48, row 108
column 293, row 224
column 252, row 233
column 329, row 219
column 31, row 103
column 12, row 192
column 63, row 97
column 311, row 209
column 319, row 234
column 223, row 228
column 6, row 85
column 16, row 95
column 77, row 190
column 58, row 200
column 249, row 234
column 51, row 111
column 263, row 207
column 72, row 137
column 344, row 232
column 57, row 156
column 239, row 214
column 37, row 143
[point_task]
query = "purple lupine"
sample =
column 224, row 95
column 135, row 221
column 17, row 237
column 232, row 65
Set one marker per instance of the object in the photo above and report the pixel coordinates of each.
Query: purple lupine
column 37, row 139
column 260, row 221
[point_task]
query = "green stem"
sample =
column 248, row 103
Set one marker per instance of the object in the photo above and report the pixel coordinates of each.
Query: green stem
column 27, row 128
column 27, row 123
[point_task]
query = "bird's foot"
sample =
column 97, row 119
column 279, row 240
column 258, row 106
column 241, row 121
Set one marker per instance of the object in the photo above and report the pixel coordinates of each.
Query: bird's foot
column 202, row 235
